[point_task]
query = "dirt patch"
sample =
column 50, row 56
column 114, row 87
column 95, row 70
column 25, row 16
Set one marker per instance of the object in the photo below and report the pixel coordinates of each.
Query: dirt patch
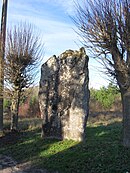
column 8, row 165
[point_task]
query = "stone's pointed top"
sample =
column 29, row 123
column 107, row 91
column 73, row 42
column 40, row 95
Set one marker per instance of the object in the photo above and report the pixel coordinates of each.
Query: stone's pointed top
column 54, row 56
column 50, row 60
column 69, row 53
column 82, row 50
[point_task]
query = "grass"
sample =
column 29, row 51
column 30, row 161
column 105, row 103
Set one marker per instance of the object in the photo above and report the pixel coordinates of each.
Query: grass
column 102, row 151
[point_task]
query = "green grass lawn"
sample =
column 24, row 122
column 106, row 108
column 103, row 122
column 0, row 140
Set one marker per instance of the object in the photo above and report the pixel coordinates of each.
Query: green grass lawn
column 102, row 151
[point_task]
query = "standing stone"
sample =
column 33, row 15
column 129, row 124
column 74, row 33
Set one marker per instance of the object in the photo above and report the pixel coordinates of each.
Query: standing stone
column 64, row 95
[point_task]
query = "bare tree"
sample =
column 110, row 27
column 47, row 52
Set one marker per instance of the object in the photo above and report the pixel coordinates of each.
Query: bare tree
column 2, row 53
column 23, row 56
column 104, row 26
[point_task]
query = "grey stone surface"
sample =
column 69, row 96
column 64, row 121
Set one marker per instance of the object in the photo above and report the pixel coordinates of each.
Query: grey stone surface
column 64, row 95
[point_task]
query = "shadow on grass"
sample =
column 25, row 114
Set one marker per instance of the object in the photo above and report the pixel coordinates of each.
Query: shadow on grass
column 23, row 146
column 100, row 153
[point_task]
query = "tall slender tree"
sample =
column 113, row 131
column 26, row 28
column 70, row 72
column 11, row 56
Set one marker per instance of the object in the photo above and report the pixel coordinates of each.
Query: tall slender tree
column 23, row 56
column 2, row 53
column 105, row 28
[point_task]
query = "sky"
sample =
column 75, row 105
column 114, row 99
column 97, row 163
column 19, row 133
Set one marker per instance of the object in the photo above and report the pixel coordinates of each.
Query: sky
column 53, row 23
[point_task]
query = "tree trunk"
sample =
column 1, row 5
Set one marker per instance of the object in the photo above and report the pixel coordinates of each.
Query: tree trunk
column 2, row 52
column 126, row 118
column 13, row 114
column 15, row 111
column 1, row 91
column 1, row 110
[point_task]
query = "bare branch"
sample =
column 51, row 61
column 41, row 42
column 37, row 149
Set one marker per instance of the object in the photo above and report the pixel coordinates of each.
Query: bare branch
column 104, row 26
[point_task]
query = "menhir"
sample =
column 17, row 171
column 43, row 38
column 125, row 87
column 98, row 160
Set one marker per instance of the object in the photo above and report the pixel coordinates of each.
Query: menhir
column 64, row 95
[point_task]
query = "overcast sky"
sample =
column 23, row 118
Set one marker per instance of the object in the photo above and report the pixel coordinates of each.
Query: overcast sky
column 52, row 21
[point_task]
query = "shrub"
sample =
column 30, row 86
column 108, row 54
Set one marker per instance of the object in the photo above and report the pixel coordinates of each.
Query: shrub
column 106, row 95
